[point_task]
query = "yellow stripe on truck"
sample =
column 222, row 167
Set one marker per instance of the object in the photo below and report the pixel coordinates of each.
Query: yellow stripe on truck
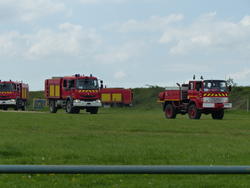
column 51, row 90
column 57, row 90
column 117, row 97
column 106, row 97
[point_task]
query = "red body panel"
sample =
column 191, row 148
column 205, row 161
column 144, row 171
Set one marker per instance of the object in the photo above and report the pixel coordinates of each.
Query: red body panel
column 173, row 95
column 126, row 95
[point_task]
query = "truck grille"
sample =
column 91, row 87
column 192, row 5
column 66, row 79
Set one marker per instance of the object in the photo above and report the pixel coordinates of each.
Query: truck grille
column 215, row 99
column 3, row 97
column 88, row 96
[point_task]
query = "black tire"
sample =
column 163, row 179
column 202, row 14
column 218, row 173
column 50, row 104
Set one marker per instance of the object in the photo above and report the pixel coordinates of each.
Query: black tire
column 24, row 106
column 76, row 110
column 92, row 110
column 218, row 114
column 18, row 105
column 69, row 107
column 5, row 108
column 170, row 111
column 194, row 112
column 52, row 106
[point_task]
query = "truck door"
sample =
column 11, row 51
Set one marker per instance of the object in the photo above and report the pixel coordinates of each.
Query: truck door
column 194, row 89
column 66, row 91
column 68, row 87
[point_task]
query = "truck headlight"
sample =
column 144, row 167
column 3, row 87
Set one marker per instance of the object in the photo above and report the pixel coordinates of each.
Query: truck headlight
column 77, row 101
column 12, row 100
column 98, row 100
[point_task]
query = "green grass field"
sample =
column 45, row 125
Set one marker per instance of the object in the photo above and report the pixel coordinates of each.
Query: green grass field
column 126, row 136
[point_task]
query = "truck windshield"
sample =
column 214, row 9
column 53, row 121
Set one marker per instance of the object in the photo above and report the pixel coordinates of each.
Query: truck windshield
column 7, row 87
column 215, row 85
column 87, row 83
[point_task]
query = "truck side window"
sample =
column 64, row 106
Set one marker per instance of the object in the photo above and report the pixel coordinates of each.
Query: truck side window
column 191, row 85
column 198, row 86
column 71, row 83
column 14, row 87
column 65, row 83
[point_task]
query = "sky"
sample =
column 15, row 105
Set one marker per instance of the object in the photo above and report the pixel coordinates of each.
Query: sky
column 125, row 43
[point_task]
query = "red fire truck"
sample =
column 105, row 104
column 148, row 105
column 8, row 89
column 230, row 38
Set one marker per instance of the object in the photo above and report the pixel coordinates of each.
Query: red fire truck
column 73, row 93
column 116, row 96
column 195, row 98
column 13, row 94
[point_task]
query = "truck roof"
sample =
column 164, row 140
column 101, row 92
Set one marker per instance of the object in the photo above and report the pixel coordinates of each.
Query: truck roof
column 216, row 80
column 206, row 80
column 11, row 82
column 74, row 77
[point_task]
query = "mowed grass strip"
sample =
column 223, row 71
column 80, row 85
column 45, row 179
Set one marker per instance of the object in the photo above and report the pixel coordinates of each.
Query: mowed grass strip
column 123, row 137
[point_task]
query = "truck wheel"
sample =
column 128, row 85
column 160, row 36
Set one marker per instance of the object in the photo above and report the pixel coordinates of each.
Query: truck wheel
column 52, row 106
column 76, row 110
column 5, row 108
column 193, row 112
column 92, row 110
column 18, row 105
column 170, row 112
column 24, row 107
column 218, row 114
column 69, row 107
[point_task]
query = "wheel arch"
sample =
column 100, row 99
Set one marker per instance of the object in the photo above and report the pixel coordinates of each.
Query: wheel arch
column 165, row 104
column 192, row 102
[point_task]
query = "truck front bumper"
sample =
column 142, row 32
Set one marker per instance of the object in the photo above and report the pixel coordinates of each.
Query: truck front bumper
column 81, row 103
column 8, row 102
column 217, row 105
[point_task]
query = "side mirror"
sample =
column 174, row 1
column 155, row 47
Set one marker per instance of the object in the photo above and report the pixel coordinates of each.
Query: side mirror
column 101, row 84
column 230, row 88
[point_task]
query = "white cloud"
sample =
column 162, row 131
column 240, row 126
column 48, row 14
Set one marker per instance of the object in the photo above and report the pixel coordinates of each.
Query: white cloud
column 112, row 1
column 208, row 34
column 154, row 23
column 29, row 10
column 101, row 1
column 241, row 75
column 122, row 53
column 119, row 75
column 7, row 43
column 68, row 40
column 245, row 21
